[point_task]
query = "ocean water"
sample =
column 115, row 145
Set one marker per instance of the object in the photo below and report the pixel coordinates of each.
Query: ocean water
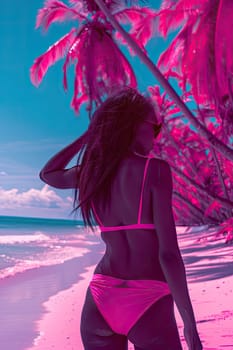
column 27, row 243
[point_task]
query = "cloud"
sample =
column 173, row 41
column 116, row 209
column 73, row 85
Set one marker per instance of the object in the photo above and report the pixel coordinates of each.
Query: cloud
column 42, row 198
column 3, row 173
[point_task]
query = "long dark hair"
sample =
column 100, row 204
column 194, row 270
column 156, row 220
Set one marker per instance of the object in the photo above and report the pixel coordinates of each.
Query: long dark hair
column 110, row 134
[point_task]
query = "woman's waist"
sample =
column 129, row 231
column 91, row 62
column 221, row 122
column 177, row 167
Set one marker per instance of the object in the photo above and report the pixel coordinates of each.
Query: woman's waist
column 126, row 270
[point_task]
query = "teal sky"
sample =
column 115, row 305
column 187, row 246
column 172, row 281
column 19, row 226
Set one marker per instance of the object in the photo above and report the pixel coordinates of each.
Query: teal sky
column 38, row 122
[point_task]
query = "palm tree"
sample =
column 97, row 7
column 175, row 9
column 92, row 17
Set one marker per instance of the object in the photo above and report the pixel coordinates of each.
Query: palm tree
column 90, row 47
column 187, row 155
column 204, row 132
column 201, row 53
column 94, row 77
column 90, row 87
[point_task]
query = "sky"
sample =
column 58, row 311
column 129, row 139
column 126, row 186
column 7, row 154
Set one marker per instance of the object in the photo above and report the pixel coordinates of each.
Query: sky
column 36, row 123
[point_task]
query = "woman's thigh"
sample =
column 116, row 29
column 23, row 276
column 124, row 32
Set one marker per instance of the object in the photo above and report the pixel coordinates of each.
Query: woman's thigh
column 95, row 332
column 157, row 328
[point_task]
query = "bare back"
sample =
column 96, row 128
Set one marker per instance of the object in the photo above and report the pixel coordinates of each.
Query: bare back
column 130, row 254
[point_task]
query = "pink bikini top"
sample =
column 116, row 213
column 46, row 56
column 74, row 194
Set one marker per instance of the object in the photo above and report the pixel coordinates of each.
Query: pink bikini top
column 139, row 225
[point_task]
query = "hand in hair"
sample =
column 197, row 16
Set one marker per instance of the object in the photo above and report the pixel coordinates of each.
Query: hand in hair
column 54, row 172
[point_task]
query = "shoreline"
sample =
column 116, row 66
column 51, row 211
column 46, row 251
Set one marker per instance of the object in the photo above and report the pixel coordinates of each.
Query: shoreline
column 214, row 319
column 66, row 307
column 23, row 296
column 41, row 308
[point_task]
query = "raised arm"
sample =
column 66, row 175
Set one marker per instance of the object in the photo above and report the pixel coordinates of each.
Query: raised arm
column 54, row 172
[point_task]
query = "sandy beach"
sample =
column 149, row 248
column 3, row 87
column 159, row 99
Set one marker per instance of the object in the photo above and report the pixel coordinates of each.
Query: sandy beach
column 41, row 308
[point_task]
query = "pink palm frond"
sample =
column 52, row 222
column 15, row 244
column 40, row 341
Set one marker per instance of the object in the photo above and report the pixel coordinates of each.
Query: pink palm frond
column 175, row 12
column 76, row 4
column 100, row 66
column 201, row 53
column 56, row 11
column 164, row 106
column 131, row 15
column 199, row 63
column 113, row 5
column 172, row 62
column 171, row 57
column 223, row 47
column 53, row 54
column 144, row 25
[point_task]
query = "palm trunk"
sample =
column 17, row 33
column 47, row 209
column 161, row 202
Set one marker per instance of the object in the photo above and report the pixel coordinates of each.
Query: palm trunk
column 217, row 144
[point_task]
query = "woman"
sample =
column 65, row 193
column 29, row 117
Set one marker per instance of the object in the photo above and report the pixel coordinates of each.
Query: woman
column 128, row 192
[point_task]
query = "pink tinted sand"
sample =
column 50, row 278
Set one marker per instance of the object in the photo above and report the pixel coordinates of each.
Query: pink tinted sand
column 209, row 269
column 59, row 328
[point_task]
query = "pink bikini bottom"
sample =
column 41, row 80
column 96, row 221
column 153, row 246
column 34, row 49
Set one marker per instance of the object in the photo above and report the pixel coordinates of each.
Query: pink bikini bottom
column 122, row 302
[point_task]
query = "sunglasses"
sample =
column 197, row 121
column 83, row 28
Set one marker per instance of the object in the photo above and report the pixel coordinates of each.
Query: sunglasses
column 156, row 127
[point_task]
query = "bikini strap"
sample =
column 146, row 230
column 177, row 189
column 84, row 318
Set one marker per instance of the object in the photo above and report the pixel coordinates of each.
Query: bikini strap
column 141, row 196
column 142, row 188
